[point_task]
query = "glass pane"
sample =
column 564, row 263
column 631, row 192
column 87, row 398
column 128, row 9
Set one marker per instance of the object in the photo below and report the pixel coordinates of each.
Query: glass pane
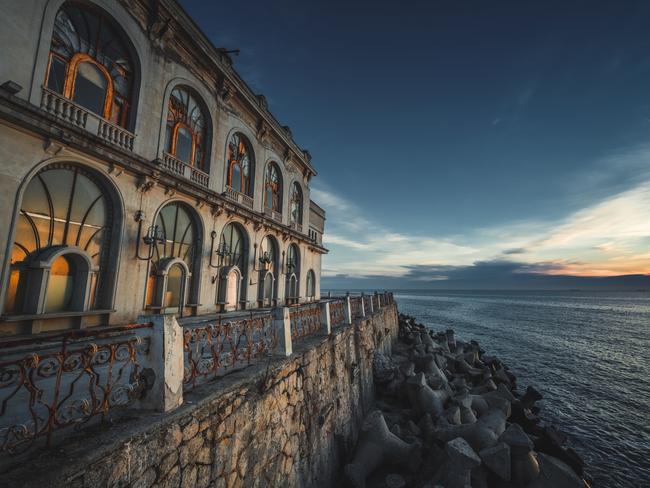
column 56, row 76
column 184, row 144
column 90, row 88
column 60, row 285
column 59, row 185
column 268, row 287
column 174, row 287
column 85, row 202
column 236, row 178
column 10, row 300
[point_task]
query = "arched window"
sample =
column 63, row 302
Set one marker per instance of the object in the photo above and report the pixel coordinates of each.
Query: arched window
column 273, row 188
column 186, row 128
column 293, row 274
column 62, row 244
column 311, row 284
column 90, row 64
column 268, row 270
column 296, row 204
column 233, row 249
column 173, row 274
column 241, row 165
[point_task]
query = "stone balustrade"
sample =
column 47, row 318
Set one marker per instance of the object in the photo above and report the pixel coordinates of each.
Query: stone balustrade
column 65, row 109
column 238, row 197
column 181, row 168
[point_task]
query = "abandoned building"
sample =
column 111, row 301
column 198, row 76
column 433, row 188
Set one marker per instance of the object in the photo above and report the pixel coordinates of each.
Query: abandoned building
column 140, row 174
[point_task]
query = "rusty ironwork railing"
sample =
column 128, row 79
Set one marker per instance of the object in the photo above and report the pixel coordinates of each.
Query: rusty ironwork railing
column 304, row 320
column 214, row 348
column 355, row 307
column 367, row 300
column 52, row 382
column 337, row 312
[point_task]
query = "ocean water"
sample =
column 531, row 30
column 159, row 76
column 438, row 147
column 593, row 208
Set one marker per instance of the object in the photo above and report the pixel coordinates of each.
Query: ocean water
column 587, row 353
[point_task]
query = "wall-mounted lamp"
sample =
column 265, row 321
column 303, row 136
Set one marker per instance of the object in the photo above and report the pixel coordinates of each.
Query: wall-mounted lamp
column 153, row 237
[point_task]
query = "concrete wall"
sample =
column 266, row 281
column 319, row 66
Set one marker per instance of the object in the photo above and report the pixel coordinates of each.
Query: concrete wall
column 288, row 422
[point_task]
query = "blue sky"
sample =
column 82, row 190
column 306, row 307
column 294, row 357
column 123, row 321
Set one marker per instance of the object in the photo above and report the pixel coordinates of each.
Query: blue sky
column 461, row 135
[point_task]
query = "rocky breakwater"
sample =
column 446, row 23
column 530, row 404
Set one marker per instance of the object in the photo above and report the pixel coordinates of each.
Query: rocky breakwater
column 449, row 415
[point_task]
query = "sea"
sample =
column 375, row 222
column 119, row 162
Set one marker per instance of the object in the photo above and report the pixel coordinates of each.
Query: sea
column 588, row 353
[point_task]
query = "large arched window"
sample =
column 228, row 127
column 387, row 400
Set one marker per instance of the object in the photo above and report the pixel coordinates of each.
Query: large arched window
column 272, row 188
column 62, row 244
column 293, row 274
column 90, row 64
column 241, row 164
column 311, row 284
column 173, row 275
column 295, row 204
column 186, row 128
column 233, row 249
column 268, row 270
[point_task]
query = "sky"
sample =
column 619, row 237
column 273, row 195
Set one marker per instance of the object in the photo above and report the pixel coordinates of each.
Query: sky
column 462, row 143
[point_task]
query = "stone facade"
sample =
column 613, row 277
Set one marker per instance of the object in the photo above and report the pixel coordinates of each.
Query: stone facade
column 288, row 422
column 133, row 166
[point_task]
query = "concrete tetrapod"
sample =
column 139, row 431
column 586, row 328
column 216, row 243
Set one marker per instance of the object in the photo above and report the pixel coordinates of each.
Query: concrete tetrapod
column 462, row 459
column 378, row 445
column 524, row 464
column 424, row 399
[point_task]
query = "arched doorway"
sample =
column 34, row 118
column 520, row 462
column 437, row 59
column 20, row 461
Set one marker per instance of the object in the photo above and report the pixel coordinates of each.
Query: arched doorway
column 292, row 265
column 233, row 250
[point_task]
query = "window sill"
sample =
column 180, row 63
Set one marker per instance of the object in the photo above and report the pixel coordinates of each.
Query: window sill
column 53, row 315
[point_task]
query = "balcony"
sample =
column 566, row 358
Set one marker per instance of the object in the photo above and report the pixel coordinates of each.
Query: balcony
column 67, row 110
column 296, row 226
column 277, row 216
column 181, row 168
column 238, row 197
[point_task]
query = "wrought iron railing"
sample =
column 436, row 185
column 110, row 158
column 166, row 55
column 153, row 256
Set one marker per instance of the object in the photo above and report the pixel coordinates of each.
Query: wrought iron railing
column 66, row 380
column 65, row 109
column 305, row 320
column 238, row 197
column 337, row 312
column 214, row 348
column 367, row 303
column 356, row 304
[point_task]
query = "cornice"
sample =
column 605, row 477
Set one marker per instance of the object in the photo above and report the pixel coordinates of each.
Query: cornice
column 55, row 132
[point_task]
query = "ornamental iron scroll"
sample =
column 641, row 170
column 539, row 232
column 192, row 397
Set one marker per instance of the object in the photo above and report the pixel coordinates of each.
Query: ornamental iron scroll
column 355, row 306
column 337, row 313
column 55, row 382
column 304, row 320
column 215, row 348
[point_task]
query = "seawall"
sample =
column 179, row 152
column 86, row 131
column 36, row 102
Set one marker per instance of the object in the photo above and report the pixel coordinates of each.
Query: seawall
column 284, row 422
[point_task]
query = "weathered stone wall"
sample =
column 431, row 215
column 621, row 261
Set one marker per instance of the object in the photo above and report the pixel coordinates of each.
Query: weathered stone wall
column 288, row 422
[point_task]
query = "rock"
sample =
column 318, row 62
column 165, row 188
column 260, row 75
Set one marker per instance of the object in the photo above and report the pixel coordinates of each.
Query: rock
column 497, row 460
column 530, row 397
column 376, row 446
column 451, row 341
column 462, row 459
column 464, row 402
column 383, row 368
column 555, row 474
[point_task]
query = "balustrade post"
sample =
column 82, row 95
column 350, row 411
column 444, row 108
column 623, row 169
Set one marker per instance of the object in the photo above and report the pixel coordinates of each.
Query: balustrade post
column 379, row 305
column 166, row 361
column 282, row 323
column 325, row 317
column 348, row 310
column 363, row 306
column 372, row 305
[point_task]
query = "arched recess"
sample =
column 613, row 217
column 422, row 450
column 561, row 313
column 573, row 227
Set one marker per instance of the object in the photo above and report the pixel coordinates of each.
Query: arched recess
column 292, row 265
column 240, row 164
column 296, row 205
column 269, row 268
column 311, row 285
column 273, row 188
column 65, row 240
column 92, row 61
column 188, row 127
column 233, row 251
column 173, row 280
